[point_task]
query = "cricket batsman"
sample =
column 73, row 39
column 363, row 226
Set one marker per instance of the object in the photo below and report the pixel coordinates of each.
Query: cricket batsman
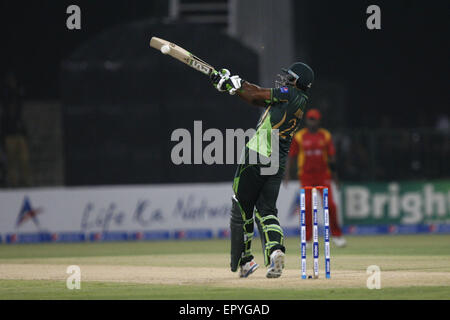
column 255, row 193
column 316, row 166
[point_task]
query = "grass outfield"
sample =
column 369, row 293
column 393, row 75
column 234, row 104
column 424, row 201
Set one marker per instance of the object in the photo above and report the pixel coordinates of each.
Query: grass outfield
column 412, row 267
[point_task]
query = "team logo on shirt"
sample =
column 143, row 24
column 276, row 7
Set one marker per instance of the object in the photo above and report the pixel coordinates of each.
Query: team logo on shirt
column 284, row 89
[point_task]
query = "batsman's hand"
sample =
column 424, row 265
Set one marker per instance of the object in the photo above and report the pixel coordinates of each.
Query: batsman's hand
column 219, row 78
column 233, row 84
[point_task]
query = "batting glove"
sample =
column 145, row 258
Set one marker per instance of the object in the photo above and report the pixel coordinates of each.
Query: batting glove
column 233, row 84
column 218, row 79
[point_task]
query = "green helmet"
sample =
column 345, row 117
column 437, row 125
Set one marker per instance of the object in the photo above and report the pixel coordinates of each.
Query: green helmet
column 298, row 74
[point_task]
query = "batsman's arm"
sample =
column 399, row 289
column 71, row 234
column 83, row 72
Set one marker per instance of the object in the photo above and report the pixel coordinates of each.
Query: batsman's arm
column 249, row 92
column 254, row 94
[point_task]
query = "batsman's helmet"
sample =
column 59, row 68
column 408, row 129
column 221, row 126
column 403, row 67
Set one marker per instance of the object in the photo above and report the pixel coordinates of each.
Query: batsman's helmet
column 298, row 74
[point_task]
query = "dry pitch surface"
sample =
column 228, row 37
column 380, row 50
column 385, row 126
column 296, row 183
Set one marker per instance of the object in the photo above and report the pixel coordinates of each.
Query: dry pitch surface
column 411, row 267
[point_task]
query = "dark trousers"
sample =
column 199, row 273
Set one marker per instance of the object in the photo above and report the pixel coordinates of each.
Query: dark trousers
column 257, row 196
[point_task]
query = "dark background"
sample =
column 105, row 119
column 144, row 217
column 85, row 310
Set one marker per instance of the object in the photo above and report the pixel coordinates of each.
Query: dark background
column 37, row 40
column 397, row 70
column 119, row 120
column 116, row 128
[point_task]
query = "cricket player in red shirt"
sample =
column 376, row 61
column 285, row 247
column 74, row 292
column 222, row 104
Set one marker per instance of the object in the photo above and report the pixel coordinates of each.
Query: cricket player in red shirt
column 316, row 163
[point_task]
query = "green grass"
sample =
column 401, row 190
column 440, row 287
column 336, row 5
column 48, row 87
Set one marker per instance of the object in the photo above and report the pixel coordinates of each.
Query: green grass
column 102, row 249
column 418, row 253
column 19, row 289
column 428, row 245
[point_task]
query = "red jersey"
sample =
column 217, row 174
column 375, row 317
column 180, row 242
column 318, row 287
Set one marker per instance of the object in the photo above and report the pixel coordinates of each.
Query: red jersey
column 312, row 151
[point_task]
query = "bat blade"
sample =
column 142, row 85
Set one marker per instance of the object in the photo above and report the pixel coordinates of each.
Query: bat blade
column 182, row 55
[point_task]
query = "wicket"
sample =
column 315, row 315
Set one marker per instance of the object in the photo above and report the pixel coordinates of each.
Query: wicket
column 315, row 248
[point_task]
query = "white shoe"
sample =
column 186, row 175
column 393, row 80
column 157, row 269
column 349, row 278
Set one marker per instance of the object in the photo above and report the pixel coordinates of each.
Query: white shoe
column 340, row 242
column 248, row 268
column 276, row 264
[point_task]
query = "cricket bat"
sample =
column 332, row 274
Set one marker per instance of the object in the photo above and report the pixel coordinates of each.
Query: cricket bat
column 181, row 54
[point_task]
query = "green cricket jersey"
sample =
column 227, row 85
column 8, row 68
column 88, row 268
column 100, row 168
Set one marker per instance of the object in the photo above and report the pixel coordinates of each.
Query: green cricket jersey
column 283, row 112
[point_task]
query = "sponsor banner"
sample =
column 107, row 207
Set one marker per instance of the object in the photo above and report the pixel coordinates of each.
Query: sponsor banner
column 29, row 237
column 194, row 234
column 201, row 211
column 404, row 204
column 109, row 236
column 155, row 212
column 123, row 209
column 68, row 237
column 396, row 229
column 151, row 235
column 224, row 233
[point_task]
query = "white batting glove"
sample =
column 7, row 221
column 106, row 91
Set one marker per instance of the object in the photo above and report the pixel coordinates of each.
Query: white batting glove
column 233, row 84
column 219, row 77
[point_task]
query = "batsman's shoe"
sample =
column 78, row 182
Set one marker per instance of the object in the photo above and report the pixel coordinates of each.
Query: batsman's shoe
column 248, row 268
column 276, row 264
column 340, row 242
